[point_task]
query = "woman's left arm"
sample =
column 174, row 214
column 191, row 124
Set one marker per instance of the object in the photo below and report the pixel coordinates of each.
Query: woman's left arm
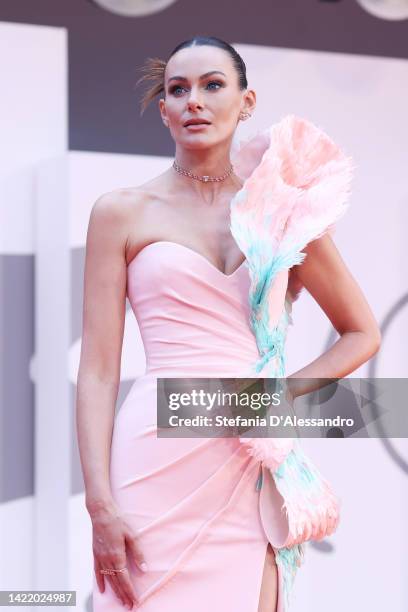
column 326, row 277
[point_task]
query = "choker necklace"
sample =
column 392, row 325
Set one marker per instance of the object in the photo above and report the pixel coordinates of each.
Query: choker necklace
column 205, row 178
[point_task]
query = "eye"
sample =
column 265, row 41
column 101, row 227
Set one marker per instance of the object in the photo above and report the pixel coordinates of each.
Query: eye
column 175, row 88
column 211, row 85
column 214, row 83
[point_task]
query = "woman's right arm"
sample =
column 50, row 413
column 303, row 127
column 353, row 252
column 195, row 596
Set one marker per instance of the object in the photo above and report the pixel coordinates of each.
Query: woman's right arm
column 104, row 309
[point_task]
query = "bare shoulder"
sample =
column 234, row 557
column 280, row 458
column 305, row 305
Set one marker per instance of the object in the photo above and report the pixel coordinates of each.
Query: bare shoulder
column 129, row 218
column 132, row 200
column 122, row 209
column 130, row 215
column 116, row 205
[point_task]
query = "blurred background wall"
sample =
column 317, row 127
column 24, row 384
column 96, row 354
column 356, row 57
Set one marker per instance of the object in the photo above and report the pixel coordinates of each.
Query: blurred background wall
column 70, row 131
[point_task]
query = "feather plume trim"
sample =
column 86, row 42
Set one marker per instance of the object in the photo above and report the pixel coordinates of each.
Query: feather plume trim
column 312, row 509
column 272, row 452
column 289, row 560
column 296, row 188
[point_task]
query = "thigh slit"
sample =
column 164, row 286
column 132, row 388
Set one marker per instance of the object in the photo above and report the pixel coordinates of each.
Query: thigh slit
column 268, row 596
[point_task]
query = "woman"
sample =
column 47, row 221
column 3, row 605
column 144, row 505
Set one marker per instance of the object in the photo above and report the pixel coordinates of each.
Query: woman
column 208, row 254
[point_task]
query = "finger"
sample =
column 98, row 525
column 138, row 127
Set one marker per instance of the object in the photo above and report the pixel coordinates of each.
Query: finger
column 136, row 553
column 117, row 588
column 127, row 588
column 124, row 587
column 99, row 577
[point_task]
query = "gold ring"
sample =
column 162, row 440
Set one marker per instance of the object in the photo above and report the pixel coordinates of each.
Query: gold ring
column 112, row 572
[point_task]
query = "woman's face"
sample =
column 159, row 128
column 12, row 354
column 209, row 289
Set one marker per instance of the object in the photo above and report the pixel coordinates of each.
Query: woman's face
column 201, row 83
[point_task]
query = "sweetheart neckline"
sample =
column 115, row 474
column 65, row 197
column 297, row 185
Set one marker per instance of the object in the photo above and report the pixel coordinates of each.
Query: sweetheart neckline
column 199, row 255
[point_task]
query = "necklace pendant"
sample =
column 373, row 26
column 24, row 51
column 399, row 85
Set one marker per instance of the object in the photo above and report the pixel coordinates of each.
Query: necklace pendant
column 205, row 178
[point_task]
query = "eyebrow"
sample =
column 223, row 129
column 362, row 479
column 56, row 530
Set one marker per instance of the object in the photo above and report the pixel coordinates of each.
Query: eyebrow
column 203, row 76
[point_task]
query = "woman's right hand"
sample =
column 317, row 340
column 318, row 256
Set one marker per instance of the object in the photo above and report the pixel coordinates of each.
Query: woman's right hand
column 112, row 536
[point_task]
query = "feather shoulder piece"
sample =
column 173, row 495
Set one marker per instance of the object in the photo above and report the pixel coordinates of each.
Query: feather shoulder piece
column 296, row 186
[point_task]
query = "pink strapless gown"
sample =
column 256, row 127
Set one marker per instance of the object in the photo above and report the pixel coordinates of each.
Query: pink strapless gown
column 193, row 502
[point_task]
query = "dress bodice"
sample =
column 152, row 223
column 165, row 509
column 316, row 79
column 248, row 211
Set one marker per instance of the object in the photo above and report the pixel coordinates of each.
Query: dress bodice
column 193, row 318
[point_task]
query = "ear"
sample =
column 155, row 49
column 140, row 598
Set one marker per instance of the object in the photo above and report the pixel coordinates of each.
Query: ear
column 162, row 108
column 249, row 101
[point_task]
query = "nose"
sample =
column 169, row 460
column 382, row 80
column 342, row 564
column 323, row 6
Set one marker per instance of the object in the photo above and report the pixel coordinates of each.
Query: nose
column 194, row 101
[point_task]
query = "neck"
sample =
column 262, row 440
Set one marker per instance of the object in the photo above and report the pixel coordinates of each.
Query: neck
column 213, row 161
